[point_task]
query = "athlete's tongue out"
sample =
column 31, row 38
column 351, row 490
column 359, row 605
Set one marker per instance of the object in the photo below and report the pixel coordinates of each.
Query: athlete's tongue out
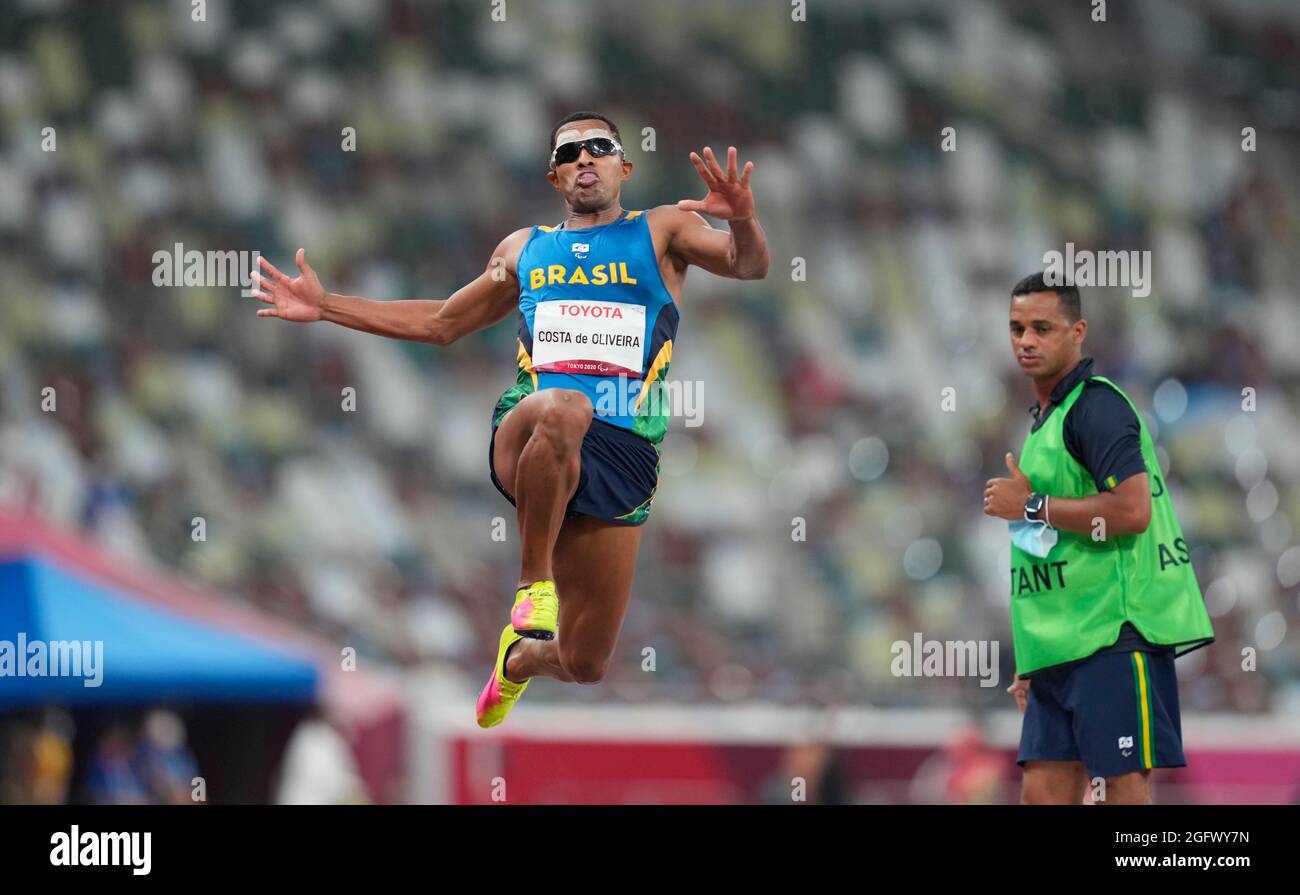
column 587, row 178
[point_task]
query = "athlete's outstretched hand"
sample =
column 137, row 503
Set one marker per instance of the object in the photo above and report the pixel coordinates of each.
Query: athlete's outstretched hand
column 729, row 196
column 298, row 298
column 1020, row 690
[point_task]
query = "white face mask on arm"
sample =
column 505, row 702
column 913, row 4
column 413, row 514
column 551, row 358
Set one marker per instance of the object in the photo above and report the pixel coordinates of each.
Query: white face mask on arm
column 1035, row 538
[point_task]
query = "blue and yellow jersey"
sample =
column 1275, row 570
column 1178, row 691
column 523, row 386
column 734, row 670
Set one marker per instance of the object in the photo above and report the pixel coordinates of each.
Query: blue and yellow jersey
column 595, row 316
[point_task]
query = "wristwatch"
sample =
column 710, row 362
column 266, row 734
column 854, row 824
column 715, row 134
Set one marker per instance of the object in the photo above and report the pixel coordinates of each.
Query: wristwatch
column 1034, row 507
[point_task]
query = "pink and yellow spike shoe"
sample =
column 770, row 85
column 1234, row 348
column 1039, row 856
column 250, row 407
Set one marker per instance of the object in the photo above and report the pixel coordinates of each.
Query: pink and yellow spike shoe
column 500, row 694
column 537, row 610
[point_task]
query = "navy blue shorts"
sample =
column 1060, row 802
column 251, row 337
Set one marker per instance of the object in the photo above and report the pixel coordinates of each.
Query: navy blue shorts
column 1115, row 712
column 617, row 479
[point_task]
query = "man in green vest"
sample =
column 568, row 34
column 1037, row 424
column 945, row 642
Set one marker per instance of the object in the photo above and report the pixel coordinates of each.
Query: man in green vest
column 1103, row 597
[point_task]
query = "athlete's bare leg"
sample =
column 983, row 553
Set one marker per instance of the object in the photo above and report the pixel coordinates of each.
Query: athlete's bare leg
column 1133, row 788
column 1054, row 783
column 594, row 565
column 537, row 457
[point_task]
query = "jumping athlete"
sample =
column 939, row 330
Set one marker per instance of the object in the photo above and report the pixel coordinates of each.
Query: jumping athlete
column 1103, row 597
column 575, row 441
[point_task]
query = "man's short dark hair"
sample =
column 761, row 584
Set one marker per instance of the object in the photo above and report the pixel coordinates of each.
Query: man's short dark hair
column 1068, row 295
column 583, row 116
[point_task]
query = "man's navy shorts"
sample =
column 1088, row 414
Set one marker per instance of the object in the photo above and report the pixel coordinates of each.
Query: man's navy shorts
column 617, row 479
column 1115, row 712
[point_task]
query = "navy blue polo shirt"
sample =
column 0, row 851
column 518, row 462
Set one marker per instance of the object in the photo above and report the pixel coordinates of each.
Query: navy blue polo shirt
column 1102, row 433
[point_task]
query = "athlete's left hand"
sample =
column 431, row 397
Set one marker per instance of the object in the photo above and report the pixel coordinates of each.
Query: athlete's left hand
column 729, row 196
column 1005, row 498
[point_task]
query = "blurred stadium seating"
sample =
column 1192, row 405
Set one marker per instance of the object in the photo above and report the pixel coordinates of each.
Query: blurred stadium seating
column 822, row 398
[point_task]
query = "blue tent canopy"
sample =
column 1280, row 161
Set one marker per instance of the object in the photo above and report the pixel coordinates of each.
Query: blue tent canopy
column 110, row 649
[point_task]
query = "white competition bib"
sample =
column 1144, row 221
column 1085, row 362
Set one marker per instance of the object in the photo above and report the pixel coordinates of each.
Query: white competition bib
column 598, row 338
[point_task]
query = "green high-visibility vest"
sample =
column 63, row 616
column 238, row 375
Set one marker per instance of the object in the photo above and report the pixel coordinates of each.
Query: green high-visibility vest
column 1074, row 601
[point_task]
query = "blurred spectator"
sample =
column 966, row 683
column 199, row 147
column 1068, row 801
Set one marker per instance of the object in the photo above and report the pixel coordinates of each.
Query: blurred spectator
column 36, row 759
column 52, row 758
column 966, row 772
column 165, row 762
column 813, row 772
column 113, row 777
column 319, row 768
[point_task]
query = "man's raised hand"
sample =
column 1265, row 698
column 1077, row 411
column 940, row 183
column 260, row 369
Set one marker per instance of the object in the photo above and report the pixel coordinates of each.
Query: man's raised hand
column 729, row 196
column 1005, row 498
column 298, row 298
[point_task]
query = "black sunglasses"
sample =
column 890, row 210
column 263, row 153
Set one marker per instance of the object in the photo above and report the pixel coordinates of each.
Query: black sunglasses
column 596, row 147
